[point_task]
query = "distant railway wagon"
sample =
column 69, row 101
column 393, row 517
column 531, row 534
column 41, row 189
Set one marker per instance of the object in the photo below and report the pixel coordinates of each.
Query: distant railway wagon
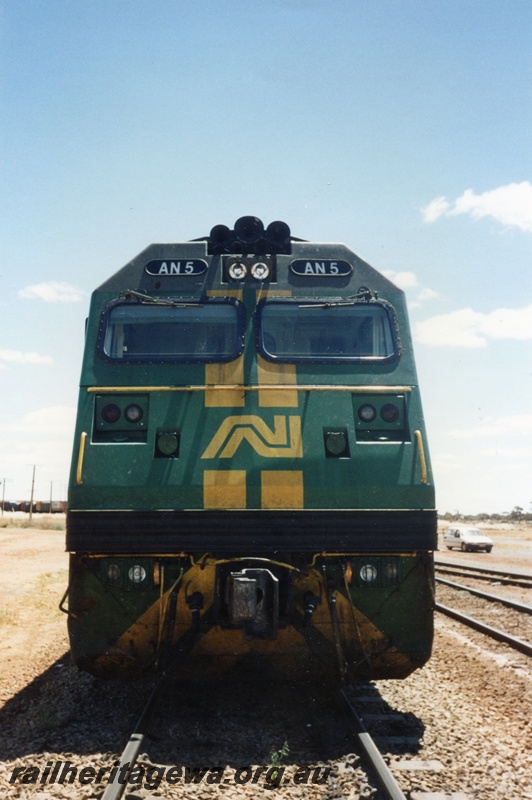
column 250, row 471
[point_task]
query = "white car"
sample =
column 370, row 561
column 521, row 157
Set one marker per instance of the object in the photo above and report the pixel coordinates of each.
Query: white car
column 465, row 538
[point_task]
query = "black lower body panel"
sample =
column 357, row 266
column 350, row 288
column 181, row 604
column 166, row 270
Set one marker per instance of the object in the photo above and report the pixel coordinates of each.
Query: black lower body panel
column 251, row 532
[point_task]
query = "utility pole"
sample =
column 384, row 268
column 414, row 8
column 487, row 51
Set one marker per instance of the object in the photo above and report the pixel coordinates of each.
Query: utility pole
column 4, row 481
column 32, row 489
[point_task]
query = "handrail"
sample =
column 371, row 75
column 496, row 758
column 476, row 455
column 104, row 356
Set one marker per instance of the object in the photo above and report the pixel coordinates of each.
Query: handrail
column 258, row 388
column 421, row 451
column 81, row 454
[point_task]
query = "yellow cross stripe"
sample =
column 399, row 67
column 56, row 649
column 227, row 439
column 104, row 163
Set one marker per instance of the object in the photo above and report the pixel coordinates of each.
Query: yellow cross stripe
column 282, row 488
column 225, row 374
column 224, row 488
column 268, row 374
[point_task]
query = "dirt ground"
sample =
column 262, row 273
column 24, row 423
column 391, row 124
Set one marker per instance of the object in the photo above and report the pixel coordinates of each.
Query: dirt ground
column 34, row 577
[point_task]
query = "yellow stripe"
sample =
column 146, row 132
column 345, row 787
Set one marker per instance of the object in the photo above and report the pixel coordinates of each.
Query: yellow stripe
column 224, row 488
column 282, row 488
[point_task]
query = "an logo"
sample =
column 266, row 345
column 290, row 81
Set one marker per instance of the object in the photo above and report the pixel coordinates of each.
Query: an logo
column 284, row 441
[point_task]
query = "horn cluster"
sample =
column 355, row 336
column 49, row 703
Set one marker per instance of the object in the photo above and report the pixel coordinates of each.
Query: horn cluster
column 249, row 237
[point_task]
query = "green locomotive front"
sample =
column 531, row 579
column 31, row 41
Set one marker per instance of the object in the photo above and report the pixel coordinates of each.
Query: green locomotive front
column 250, row 470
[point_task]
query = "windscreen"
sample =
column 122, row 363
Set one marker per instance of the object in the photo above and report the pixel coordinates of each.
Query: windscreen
column 209, row 331
column 294, row 330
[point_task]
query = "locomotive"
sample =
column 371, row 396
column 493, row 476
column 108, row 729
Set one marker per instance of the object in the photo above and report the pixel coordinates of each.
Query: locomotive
column 250, row 474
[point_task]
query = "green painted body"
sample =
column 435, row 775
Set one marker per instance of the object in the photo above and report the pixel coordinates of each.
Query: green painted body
column 249, row 460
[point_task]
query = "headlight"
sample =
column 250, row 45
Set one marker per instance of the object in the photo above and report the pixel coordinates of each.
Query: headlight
column 391, row 571
column 237, row 271
column 136, row 574
column 133, row 413
column 113, row 572
column 260, row 271
column 368, row 573
column 367, row 413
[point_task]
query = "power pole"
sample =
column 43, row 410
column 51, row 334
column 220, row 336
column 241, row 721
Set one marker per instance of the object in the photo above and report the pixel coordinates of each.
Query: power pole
column 32, row 489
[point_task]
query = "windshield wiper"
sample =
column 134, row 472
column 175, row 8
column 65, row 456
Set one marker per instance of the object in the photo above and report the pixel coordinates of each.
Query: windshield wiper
column 362, row 294
column 147, row 300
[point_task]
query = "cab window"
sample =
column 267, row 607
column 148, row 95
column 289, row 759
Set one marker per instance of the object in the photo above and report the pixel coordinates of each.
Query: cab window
column 173, row 330
column 335, row 331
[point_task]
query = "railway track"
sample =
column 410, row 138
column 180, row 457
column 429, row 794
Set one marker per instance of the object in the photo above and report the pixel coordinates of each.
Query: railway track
column 501, row 577
column 381, row 770
column 379, row 773
column 505, row 577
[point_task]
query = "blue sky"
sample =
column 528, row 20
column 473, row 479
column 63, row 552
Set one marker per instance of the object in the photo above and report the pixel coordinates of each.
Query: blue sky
column 400, row 127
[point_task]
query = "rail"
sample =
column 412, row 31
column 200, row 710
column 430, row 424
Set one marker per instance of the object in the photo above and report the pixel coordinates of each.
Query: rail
column 382, row 772
column 488, row 630
column 505, row 601
column 117, row 786
column 483, row 572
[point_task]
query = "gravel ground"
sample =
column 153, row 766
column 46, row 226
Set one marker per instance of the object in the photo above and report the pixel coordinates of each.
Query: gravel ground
column 461, row 724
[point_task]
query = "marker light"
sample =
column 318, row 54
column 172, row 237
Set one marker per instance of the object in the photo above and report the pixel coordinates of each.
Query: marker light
column 335, row 442
column 260, row 271
column 237, row 271
column 168, row 443
column 133, row 413
column 368, row 573
column 367, row 413
column 110, row 412
column 136, row 574
column 389, row 412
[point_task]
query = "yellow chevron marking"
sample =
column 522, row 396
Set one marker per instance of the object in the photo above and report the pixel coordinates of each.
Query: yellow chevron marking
column 224, row 488
column 281, row 488
column 284, row 441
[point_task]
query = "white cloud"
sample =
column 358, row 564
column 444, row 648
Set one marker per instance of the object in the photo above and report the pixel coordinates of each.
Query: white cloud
column 48, row 421
column 435, row 209
column 510, row 205
column 18, row 357
column 42, row 437
column 408, row 281
column 53, row 292
column 520, row 424
column 404, row 280
column 468, row 328
column 427, row 294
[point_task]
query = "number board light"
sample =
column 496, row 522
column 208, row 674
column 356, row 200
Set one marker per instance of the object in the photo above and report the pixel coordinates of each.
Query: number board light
column 307, row 267
column 180, row 267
